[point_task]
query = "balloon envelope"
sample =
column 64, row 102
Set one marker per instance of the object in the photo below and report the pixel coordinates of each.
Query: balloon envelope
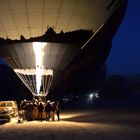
column 38, row 63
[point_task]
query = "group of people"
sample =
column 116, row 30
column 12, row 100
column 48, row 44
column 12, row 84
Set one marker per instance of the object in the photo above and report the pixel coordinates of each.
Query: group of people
column 28, row 109
column 50, row 108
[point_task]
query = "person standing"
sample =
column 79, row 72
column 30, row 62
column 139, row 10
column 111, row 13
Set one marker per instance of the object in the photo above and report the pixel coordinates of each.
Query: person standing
column 22, row 109
column 48, row 110
column 40, row 111
column 30, row 110
column 53, row 109
column 58, row 110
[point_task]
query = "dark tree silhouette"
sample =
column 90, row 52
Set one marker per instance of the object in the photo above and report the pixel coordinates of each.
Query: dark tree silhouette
column 74, row 37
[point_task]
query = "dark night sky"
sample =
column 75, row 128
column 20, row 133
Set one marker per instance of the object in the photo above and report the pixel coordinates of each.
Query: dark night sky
column 124, row 57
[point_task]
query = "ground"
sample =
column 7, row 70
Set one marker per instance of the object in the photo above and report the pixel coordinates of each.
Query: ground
column 93, row 124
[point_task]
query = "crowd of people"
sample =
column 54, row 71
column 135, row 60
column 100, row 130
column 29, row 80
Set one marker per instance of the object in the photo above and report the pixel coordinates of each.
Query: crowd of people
column 28, row 110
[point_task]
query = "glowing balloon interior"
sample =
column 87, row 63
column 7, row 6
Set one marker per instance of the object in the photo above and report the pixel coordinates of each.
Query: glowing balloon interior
column 39, row 64
column 38, row 79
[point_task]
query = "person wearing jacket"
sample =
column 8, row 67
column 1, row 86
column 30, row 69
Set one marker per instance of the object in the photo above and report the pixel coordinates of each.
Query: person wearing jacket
column 58, row 110
column 53, row 109
column 40, row 111
column 48, row 110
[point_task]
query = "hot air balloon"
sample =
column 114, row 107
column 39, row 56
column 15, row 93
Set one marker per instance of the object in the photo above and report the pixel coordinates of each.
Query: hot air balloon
column 40, row 64
column 36, row 63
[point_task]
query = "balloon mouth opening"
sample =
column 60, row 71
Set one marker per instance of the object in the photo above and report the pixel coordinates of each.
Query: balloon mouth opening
column 40, row 94
column 28, row 77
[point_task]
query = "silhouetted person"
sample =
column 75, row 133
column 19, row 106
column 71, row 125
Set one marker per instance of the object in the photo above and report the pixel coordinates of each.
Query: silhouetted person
column 58, row 110
column 30, row 110
column 40, row 111
column 53, row 109
column 48, row 110
column 22, row 112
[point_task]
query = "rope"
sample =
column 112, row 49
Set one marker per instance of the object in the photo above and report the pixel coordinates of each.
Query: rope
column 29, row 80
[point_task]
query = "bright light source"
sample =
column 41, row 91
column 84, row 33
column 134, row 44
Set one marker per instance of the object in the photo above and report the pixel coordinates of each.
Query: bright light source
column 97, row 95
column 38, row 50
column 91, row 96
